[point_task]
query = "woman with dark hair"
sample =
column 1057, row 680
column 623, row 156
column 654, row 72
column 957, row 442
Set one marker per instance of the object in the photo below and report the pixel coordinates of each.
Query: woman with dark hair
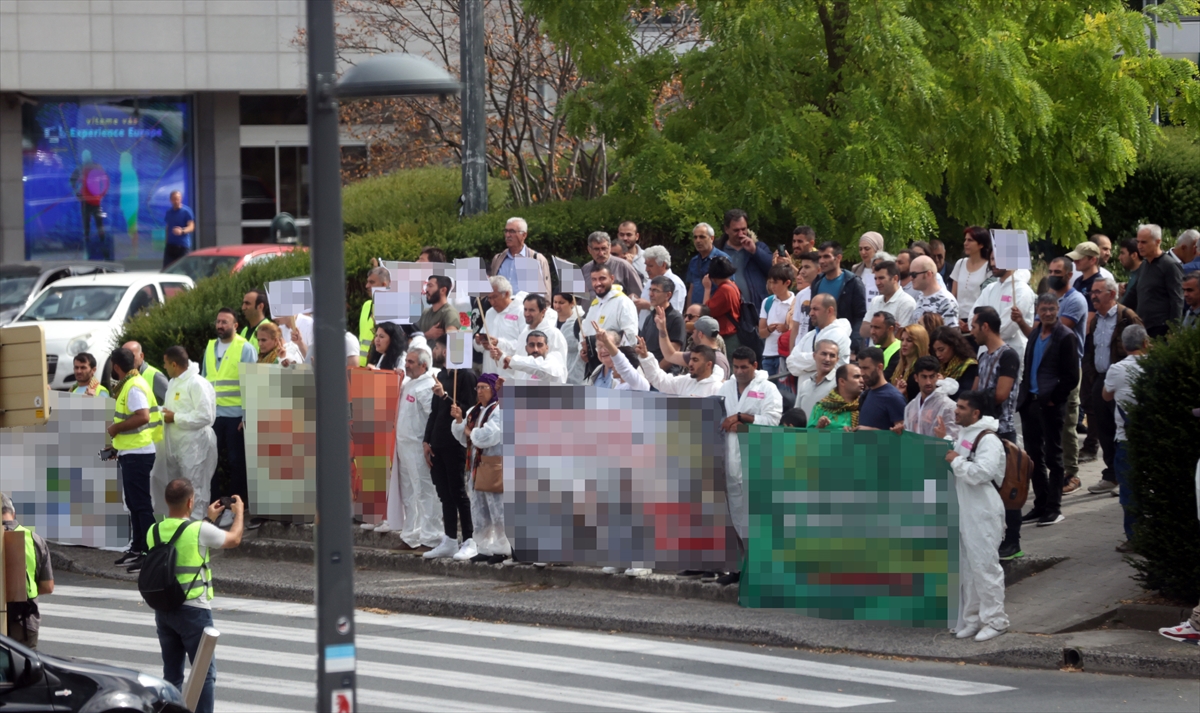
column 971, row 272
column 724, row 300
column 569, row 323
column 388, row 347
column 957, row 358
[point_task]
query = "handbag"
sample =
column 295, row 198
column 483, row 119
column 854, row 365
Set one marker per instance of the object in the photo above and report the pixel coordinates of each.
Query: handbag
column 487, row 472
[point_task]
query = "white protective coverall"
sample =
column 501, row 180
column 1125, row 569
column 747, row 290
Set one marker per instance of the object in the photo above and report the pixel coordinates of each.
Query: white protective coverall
column 413, row 506
column 682, row 384
column 505, row 325
column 760, row 398
column 487, row 509
column 575, row 365
column 921, row 415
column 614, row 312
column 189, row 446
column 981, row 526
column 554, row 340
column 550, row 369
column 802, row 365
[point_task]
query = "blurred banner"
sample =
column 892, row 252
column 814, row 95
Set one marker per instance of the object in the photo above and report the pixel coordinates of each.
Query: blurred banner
column 851, row 526
column 615, row 478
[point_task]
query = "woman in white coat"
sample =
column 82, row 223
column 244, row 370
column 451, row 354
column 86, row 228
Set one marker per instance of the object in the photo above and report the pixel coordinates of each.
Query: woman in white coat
column 189, row 446
column 481, row 431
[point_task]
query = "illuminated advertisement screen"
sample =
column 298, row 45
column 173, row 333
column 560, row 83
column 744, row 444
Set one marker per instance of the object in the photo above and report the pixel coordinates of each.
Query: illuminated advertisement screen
column 99, row 173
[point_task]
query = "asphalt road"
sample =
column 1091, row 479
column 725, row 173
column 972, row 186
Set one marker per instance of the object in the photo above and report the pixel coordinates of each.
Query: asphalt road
column 266, row 662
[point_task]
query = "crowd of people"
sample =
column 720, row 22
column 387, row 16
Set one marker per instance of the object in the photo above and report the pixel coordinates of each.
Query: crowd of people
column 903, row 342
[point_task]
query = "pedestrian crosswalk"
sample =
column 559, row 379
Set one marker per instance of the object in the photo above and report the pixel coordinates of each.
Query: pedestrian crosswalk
column 266, row 662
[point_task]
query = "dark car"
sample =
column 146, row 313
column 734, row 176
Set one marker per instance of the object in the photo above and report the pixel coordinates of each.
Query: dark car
column 31, row 681
column 20, row 282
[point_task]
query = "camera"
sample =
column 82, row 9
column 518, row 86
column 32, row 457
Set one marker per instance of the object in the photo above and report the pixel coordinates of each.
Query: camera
column 225, row 519
column 107, row 454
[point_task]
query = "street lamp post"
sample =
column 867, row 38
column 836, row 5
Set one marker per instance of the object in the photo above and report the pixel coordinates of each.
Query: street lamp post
column 474, row 120
column 385, row 75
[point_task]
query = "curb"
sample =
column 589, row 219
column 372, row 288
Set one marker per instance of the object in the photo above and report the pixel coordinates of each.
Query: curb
column 1012, row 650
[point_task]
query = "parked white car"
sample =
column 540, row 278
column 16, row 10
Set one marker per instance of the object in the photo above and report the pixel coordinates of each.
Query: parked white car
column 85, row 314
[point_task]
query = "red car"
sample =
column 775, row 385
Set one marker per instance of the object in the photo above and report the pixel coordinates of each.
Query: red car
column 207, row 262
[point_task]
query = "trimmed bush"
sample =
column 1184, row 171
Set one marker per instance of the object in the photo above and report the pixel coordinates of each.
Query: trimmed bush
column 425, row 197
column 1165, row 189
column 1164, row 445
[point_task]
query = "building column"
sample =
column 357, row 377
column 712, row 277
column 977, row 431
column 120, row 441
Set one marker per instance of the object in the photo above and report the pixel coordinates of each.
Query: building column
column 12, row 189
column 218, row 148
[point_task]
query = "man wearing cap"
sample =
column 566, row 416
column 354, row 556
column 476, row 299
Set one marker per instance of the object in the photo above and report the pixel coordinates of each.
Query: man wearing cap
column 705, row 332
column 1086, row 257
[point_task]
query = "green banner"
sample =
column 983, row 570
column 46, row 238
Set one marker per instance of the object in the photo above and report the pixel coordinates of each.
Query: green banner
column 851, row 526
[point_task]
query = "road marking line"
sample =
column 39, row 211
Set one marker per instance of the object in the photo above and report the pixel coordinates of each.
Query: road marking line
column 588, row 640
column 456, row 652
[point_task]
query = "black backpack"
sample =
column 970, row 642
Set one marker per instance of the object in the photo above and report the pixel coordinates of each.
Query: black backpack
column 157, row 581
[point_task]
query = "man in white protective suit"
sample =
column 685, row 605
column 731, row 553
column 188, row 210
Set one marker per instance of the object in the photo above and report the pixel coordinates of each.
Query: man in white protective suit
column 413, row 507
column 978, row 464
column 539, row 365
column 750, row 397
column 538, row 317
column 189, row 447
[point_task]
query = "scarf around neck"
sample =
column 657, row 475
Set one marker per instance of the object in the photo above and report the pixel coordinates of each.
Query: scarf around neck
column 955, row 367
column 121, row 384
column 835, row 404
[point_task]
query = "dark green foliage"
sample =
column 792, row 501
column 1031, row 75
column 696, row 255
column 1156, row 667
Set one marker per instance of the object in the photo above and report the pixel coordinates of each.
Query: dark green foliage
column 1165, row 189
column 1164, row 444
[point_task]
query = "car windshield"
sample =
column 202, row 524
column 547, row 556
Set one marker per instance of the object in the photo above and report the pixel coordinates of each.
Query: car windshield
column 201, row 266
column 15, row 289
column 82, row 302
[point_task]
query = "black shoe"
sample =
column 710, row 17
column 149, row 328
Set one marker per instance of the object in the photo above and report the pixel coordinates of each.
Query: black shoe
column 1081, row 427
column 481, row 558
column 691, row 574
column 709, row 576
column 729, row 578
column 496, row 559
column 1032, row 516
column 1050, row 519
column 126, row 558
column 255, row 523
column 1010, row 551
column 136, row 565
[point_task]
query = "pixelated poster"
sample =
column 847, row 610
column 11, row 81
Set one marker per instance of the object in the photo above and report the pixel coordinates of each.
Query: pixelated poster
column 851, row 526
column 281, row 440
column 58, row 483
column 616, row 478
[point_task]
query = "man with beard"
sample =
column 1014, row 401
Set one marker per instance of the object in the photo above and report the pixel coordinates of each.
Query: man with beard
column 220, row 367
column 539, row 365
column 538, row 317
column 613, row 310
column 703, row 376
column 441, row 317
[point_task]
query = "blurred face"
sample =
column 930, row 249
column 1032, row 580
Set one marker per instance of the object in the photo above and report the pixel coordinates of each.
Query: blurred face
column 866, row 251
column 499, row 300
column 1047, row 314
column 561, row 306
column 826, row 357
column 902, row 262
column 943, row 352
column 1105, row 248
column 382, row 341
column 885, row 283
column 533, row 316
column 871, row 372
column 907, row 345
column 225, row 325
column 927, row 380
column 536, row 347
column 852, row 387
column 743, row 371
column 439, row 355
column 176, row 200
column 702, row 240
column 939, row 254
column 83, row 372
column 1147, row 245
column 738, row 231
column 483, row 393
column 964, row 415
column 413, row 366
column 603, row 355
column 1127, row 260
column 433, row 293
column 880, row 334
column 1085, row 264
column 266, row 343
column 1191, row 294
column 1102, row 297
column 801, row 244
column 249, row 309
column 1058, row 268
column 628, row 235
column 514, row 237
column 808, row 271
column 602, row 282
column 823, row 316
column 829, row 261
column 690, row 315
column 997, row 272
column 921, row 279
column 618, row 249
column 600, row 252
column 699, row 367
column 658, row 296
column 373, row 282
column 1186, row 253
column 653, row 269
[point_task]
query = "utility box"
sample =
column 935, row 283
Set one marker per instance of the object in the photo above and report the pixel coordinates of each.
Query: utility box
column 23, row 388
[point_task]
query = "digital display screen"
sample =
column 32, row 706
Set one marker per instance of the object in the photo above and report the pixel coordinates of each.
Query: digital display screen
column 98, row 175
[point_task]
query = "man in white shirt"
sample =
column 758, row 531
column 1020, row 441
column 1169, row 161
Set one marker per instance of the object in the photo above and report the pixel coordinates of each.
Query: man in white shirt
column 823, row 380
column 1118, row 390
column 538, row 317
column 539, row 365
column 1000, row 296
column 827, row 326
column 703, row 376
column 504, row 320
column 612, row 309
column 890, row 299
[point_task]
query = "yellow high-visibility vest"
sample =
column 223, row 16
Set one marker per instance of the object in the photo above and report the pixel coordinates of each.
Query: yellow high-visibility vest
column 224, row 376
column 144, row 434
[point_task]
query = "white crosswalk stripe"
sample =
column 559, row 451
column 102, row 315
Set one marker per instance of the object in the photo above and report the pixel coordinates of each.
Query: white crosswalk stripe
column 450, row 663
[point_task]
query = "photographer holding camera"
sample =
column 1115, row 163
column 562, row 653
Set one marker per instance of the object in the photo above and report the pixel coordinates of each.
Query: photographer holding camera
column 180, row 630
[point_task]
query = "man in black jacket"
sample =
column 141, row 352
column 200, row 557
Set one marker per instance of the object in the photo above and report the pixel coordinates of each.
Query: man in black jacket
column 1051, row 372
column 447, row 458
column 845, row 287
column 1157, row 295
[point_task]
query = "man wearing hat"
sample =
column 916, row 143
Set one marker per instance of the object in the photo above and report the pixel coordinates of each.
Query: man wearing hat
column 705, row 333
column 1086, row 257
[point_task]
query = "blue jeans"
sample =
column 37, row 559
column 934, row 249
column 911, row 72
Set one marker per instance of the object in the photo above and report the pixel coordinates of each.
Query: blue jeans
column 771, row 365
column 1121, row 466
column 179, row 633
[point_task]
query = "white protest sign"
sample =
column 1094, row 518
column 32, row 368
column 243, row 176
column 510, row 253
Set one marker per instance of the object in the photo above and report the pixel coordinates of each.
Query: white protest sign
column 459, row 354
column 398, row 307
column 1011, row 249
column 529, row 276
column 290, row 297
column 470, row 279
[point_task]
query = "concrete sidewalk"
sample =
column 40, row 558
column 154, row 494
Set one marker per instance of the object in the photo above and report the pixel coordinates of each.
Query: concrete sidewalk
column 1063, row 611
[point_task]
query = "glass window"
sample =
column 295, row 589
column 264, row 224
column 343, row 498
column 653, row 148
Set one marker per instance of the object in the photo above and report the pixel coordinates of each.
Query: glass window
column 145, row 298
column 16, row 284
column 201, row 266
column 98, row 174
column 170, row 289
column 90, row 302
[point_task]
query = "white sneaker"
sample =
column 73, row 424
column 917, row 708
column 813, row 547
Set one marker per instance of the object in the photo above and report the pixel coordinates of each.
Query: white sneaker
column 467, row 551
column 610, row 570
column 368, row 526
column 637, row 572
column 967, row 631
column 448, row 547
column 988, row 633
column 384, row 527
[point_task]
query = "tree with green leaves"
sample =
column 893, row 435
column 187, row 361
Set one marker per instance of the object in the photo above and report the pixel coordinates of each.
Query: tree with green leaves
column 851, row 115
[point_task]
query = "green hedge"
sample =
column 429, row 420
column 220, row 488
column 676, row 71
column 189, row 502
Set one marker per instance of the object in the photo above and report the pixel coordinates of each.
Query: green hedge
column 1165, row 189
column 1164, row 445
column 424, row 197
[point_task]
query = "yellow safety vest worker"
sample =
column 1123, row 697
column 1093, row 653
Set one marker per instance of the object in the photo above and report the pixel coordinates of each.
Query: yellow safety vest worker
column 191, row 568
column 366, row 331
column 31, row 589
column 251, row 335
column 145, row 434
column 224, row 377
column 891, row 352
column 83, row 389
column 148, row 372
